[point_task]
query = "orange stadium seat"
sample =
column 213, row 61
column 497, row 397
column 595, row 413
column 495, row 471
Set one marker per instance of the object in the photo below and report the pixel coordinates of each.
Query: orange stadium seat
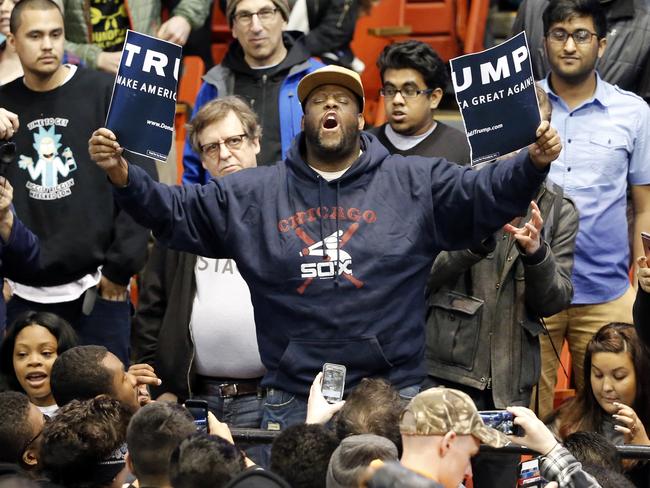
column 563, row 388
column 221, row 35
column 188, row 87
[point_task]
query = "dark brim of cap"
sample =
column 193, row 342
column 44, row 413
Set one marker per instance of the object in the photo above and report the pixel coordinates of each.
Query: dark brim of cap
column 332, row 75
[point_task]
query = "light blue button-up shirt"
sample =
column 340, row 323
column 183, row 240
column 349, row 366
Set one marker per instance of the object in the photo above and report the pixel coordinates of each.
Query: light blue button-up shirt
column 605, row 147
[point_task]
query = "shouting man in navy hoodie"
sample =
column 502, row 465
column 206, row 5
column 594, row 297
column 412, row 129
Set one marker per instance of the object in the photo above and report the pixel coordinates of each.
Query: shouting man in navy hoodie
column 336, row 241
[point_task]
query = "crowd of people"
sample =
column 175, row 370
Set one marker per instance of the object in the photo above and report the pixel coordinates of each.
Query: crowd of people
column 302, row 237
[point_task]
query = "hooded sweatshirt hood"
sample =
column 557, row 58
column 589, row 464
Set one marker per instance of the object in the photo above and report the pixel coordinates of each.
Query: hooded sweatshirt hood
column 261, row 88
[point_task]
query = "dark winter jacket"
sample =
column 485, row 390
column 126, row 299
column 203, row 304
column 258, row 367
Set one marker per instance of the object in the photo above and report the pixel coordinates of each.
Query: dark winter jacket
column 483, row 325
column 336, row 269
column 331, row 28
column 269, row 92
column 161, row 336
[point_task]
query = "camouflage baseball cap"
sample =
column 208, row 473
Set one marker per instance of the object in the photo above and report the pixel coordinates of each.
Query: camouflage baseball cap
column 440, row 410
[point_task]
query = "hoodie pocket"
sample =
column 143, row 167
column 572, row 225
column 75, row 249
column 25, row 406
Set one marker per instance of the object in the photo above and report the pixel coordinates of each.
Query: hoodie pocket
column 362, row 356
column 453, row 328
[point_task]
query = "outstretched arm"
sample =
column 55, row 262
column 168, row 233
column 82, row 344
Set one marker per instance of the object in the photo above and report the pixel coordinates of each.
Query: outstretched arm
column 470, row 205
column 189, row 218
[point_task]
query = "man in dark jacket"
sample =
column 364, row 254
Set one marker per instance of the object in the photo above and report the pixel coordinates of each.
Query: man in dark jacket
column 263, row 65
column 626, row 61
column 485, row 306
column 335, row 242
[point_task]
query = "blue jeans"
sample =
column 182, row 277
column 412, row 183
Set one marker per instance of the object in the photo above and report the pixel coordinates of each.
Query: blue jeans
column 108, row 325
column 244, row 412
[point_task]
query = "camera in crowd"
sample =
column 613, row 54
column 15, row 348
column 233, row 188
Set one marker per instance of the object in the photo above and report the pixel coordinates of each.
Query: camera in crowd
column 501, row 420
column 7, row 152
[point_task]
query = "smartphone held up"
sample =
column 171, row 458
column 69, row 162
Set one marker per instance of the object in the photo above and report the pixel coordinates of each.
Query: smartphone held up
column 199, row 410
column 333, row 382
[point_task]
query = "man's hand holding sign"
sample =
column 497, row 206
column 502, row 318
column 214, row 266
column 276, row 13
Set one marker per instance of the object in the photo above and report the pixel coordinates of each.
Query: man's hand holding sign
column 547, row 147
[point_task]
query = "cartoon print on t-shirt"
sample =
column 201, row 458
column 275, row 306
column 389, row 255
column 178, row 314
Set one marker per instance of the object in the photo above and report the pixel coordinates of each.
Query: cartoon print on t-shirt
column 49, row 166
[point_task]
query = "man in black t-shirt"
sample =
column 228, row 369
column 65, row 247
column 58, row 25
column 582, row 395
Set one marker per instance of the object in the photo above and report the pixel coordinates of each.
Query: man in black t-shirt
column 413, row 79
column 89, row 248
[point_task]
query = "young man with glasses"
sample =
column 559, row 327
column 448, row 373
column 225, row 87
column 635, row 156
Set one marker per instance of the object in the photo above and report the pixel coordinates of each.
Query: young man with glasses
column 605, row 133
column 414, row 78
column 263, row 65
column 625, row 63
column 194, row 322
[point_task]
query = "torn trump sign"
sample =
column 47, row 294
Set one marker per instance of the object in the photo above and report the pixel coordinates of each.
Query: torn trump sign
column 495, row 91
column 143, row 105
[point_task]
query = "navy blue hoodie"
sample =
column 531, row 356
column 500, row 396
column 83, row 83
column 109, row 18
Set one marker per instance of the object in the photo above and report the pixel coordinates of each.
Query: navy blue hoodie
column 358, row 299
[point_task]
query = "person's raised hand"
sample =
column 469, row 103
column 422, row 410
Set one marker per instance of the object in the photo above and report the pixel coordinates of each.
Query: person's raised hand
column 629, row 424
column 109, row 61
column 144, row 374
column 536, row 435
column 177, row 29
column 529, row 237
column 319, row 410
column 8, row 124
column 643, row 273
column 107, row 153
column 547, row 147
column 110, row 290
column 220, row 429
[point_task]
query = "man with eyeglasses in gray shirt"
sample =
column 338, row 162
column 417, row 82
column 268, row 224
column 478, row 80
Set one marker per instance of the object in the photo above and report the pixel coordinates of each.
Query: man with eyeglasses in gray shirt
column 413, row 81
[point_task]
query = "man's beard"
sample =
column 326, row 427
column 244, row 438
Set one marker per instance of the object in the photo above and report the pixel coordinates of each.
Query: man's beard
column 329, row 151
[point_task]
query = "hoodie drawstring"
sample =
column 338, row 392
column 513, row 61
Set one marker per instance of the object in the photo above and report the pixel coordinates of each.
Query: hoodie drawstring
column 338, row 241
column 320, row 210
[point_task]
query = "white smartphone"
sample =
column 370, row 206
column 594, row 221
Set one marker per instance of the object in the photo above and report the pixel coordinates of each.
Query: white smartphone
column 333, row 382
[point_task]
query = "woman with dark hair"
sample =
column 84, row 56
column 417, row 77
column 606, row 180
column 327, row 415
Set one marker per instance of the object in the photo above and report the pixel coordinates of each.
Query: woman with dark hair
column 615, row 401
column 27, row 354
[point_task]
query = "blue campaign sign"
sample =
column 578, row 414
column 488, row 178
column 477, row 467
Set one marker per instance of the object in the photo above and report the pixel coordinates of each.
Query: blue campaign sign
column 495, row 91
column 144, row 96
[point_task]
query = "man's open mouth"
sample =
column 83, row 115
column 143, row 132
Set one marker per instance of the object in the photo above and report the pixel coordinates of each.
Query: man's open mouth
column 330, row 121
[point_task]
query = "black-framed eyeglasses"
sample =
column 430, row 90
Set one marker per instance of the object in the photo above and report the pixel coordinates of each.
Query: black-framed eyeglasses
column 406, row 91
column 245, row 18
column 579, row 36
column 212, row 149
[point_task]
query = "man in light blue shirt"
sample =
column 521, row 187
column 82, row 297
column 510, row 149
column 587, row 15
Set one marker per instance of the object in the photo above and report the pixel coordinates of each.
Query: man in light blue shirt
column 605, row 131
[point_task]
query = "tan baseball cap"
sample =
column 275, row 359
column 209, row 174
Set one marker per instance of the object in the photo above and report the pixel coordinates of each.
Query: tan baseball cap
column 332, row 75
column 440, row 410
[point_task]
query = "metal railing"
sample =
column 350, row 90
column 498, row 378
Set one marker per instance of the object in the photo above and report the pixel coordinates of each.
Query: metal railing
column 260, row 436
